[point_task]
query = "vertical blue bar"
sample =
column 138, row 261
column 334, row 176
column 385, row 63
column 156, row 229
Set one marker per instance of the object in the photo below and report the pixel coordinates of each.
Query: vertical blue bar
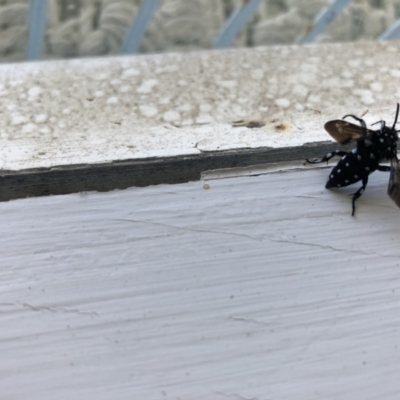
column 139, row 26
column 235, row 23
column 37, row 26
column 324, row 19
column 393, row 32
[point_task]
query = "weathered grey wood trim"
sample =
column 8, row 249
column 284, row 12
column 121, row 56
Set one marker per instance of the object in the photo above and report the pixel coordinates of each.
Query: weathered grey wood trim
column 140, row 173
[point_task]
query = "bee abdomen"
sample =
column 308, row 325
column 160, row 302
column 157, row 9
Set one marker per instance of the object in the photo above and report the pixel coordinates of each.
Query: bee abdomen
column 352, row 168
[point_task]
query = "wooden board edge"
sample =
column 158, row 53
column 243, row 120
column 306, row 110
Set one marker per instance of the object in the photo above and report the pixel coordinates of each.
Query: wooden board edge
column 143, row 172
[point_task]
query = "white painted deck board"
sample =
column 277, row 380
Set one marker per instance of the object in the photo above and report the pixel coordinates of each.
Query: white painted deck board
column 262, row 287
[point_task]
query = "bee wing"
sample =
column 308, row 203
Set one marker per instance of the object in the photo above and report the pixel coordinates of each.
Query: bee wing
column 394, row 181
column 345, row 132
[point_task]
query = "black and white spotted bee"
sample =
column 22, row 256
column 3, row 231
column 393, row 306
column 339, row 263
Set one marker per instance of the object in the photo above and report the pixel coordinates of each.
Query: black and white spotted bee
column 373, row 147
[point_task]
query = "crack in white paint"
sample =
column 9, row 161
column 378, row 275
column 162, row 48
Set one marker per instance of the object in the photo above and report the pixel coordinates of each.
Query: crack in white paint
column 251, row 320
column 239, row 397
column 59, row 309
column 190, row 229
column 328, row 247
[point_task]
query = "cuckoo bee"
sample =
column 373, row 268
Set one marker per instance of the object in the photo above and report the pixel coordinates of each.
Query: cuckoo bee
column 372, row 147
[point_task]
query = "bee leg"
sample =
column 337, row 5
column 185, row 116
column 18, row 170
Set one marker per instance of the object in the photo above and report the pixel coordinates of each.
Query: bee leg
column 360, row 120
column 327, row 157
column 362, row 123
column 358, row 194
column 383, row 168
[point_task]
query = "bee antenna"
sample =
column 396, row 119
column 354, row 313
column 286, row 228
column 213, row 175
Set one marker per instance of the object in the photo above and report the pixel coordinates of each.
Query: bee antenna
column 397, row 115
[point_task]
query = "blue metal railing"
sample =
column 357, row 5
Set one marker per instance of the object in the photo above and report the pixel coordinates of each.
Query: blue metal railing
column 37, row 25
column 235, row 23
column 324, row 18
column 225, row 37
column 139, row 26
column 393, row 32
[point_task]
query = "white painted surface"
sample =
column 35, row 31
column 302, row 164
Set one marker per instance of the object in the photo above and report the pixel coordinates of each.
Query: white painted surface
column 100, row 110
column 260, row 287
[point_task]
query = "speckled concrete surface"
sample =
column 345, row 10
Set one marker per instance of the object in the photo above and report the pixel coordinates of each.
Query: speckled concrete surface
column 83, row 111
